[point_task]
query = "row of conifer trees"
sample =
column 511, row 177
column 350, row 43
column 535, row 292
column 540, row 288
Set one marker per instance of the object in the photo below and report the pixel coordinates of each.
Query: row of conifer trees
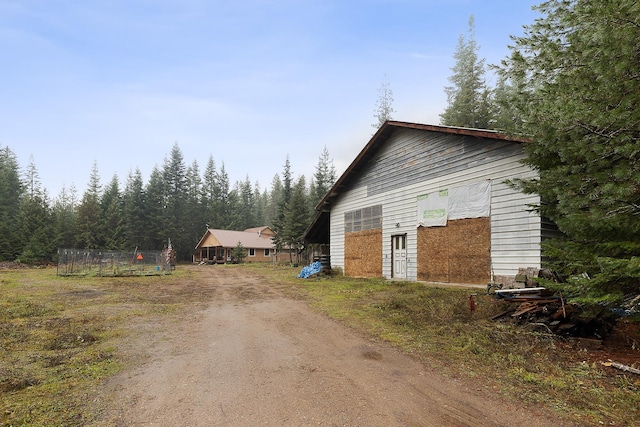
column 177, row 202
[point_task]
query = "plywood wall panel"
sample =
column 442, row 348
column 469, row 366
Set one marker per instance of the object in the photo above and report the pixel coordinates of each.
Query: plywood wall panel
column 363, row 253
column 457, row 253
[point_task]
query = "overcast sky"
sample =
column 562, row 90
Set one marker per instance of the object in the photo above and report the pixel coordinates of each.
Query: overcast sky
column 118, row 82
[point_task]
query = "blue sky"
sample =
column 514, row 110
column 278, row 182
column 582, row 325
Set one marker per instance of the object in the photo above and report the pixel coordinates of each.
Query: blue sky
column 118, row 82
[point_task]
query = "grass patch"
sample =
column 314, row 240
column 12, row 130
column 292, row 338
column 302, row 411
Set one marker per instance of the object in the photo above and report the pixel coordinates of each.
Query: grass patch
column 435, row 324
column 61, row 337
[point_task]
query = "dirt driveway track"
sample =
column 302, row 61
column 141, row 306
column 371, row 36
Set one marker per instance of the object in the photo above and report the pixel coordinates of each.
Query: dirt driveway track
column 254, row 357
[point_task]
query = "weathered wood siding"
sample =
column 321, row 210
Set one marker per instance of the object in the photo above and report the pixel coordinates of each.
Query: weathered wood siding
column 414, row 162
column 413, row 157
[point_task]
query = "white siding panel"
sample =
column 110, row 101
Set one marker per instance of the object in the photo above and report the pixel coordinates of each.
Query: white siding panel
column 515, row 230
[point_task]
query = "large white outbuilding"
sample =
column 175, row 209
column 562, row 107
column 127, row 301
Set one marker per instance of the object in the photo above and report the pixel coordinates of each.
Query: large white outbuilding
column 432, row 203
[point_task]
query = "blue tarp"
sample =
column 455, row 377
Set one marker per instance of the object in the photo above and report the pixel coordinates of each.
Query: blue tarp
column 307, row 271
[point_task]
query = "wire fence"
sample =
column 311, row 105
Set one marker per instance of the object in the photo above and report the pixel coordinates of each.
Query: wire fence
column 114, row 263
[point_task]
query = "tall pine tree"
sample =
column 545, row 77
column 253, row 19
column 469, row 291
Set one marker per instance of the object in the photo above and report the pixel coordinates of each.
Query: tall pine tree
column 64, row 213
column 155, row 201
column 196, row 214
column 35, row 221
column 279, row 222
column 576, row 72
column 296, row 217
column 260, row 206
column 247, row 205
column 134, row 212
column 113, row 217
column 273, row 201
column 384, row 104
column 469, row 98
column 323, row 178
column 89, row 232
column 211, row 195
column 225, row 199
column 175, row 215
column 11, row 190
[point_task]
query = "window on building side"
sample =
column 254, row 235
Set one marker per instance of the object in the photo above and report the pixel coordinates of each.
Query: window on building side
column 369, row 218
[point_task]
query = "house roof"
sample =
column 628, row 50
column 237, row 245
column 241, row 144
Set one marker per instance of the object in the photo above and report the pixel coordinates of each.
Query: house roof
column 258, row 230
column 230, row 239
column 318, row 232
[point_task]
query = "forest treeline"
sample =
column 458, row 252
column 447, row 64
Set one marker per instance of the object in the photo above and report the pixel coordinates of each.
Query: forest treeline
column 177, row 202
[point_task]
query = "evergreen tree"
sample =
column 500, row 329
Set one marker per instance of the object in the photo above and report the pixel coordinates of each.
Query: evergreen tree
column 296, row 217
column 33, row 186
column 286, row 182
column 36, row 229
column 507, row 117
column 35, row 221
column 112, row 217
column 174, row 174
column 247, row 205
column 11, row 190
column 155, row 234
column 576, row 72
column 196, row 213
column 134, row 213
column 89, row 233
column 323, row 178
column 64, row 218
column 224, row 204
column 239, row 253
column 175, row 216
column 233, row 208
column 260, row 207
column 279, row 222
column 384, row 104
column 469, row 99
column 211, row 195
column 274, row 197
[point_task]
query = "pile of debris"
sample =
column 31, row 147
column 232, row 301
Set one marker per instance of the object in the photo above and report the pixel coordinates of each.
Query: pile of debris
column 9, row 265
column 534, row 306
column 539, row 307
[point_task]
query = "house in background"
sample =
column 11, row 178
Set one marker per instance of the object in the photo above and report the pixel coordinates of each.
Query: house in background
column 431, row 203
column 216, row 246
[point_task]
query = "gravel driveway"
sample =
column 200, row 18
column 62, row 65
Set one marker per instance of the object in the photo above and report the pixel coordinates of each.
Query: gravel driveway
column 255, row 357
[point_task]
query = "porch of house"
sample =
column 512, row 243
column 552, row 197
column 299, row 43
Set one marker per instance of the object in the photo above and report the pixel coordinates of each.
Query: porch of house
column 213, row 255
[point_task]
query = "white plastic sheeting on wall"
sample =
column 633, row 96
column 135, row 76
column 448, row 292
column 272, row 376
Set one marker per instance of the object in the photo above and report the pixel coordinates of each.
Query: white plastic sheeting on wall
column 469, row 201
